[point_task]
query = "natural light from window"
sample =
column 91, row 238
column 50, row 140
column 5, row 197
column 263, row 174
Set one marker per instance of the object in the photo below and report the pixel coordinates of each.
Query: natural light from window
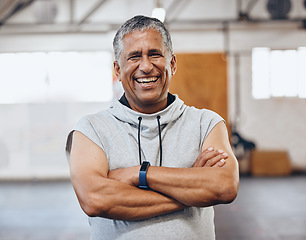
column 302, row 72
column 278, row 73
column 56, row 77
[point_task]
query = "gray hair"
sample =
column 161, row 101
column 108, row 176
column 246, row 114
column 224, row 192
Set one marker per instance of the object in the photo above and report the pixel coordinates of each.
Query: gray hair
column 140, row 23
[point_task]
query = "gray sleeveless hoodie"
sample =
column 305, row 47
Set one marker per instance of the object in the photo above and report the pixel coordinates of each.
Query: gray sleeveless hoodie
column 173, row 138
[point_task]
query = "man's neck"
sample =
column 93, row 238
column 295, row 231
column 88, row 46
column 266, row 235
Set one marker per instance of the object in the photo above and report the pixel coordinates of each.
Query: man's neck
column 123, row 100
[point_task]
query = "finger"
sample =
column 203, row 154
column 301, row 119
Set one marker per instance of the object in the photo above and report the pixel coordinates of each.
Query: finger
column 203, row 157
column 209, row 158
column 221, row 163
column 216, row 159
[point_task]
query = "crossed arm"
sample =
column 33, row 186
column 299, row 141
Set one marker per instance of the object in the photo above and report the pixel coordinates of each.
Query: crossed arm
column 213, row 179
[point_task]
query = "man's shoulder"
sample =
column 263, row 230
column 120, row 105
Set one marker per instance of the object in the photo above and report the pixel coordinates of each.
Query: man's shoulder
column 100, row 115
column 194, row 111
column 96, row 120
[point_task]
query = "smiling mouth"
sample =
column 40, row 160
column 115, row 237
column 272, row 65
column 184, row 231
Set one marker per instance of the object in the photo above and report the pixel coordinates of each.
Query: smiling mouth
column 147, row 80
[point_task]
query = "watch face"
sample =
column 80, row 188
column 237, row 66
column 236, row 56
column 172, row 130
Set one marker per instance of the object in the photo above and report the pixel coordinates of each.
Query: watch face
column 144, row 166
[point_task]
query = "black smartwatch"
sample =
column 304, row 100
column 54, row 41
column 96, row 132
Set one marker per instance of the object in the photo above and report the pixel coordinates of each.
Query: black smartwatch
column 143, row 175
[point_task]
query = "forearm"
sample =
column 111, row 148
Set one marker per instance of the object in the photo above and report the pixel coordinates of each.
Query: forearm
column 116, row 200
column 199, row 187
column 209, row 182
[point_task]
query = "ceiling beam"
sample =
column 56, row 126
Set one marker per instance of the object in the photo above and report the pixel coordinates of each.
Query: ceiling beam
column 6, row 7
column 71, row 11
column 176, row 26
column 175, row 7
column 9, row 10
column 245, row 15
column 92, row 11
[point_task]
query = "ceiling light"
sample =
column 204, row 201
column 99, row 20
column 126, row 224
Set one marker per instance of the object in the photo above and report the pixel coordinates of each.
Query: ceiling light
column 159, row 13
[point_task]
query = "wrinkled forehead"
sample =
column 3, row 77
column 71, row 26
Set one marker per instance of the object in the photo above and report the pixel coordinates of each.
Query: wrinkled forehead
column 150, row 38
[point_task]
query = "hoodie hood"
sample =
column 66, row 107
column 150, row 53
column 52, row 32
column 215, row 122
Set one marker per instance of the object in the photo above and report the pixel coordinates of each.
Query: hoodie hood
column 149, row 125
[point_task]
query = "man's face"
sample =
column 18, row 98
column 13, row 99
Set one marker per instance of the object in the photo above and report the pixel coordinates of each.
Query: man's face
column 145, row 68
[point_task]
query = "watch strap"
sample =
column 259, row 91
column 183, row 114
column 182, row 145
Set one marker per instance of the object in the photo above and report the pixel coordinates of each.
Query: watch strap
column 143, row 175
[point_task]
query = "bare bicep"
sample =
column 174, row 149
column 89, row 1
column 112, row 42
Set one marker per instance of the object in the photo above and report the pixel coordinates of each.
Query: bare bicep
column 218, row 139
column 88, row 163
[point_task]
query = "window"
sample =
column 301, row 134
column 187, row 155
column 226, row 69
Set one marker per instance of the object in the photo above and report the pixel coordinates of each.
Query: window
column 278, row 73
column 56, row 77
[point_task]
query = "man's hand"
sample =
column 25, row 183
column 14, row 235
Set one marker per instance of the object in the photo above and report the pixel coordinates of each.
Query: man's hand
column 211, row 158
column 128, row 175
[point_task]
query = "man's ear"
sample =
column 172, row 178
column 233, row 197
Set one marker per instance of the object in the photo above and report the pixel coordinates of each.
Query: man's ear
column 117, row 70
column 173, row 64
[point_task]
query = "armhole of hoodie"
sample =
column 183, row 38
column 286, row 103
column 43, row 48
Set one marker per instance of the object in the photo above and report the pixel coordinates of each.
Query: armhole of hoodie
column 86, row 127
column 208, row 121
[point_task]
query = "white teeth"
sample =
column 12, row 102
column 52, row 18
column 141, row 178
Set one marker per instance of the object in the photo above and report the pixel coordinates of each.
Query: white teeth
column 146, row 80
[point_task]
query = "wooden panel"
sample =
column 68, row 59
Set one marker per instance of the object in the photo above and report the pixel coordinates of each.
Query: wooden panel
column 201, row 81
column 270, row 163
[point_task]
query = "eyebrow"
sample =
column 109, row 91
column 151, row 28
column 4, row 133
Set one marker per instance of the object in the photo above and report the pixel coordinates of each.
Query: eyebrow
column 133, row 53
column 155, row 51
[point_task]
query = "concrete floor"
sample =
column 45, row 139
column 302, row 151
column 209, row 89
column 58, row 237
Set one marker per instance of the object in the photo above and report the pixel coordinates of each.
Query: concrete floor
column 41, row 211
column 265, row 209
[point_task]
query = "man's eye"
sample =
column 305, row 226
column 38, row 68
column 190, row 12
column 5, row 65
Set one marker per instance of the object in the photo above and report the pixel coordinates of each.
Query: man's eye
column 136, row 57
column 155, row 55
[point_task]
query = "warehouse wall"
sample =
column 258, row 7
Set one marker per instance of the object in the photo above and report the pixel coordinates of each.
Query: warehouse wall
column 273, row 124
column 32, row 136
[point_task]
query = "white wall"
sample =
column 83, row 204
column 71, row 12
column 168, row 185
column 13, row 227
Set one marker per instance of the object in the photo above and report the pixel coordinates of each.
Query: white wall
column 273, row 124
column 32, row 136
column 278, row 123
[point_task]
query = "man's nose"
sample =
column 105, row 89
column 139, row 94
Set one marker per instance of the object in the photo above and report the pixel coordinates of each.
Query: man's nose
column 145, row 65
